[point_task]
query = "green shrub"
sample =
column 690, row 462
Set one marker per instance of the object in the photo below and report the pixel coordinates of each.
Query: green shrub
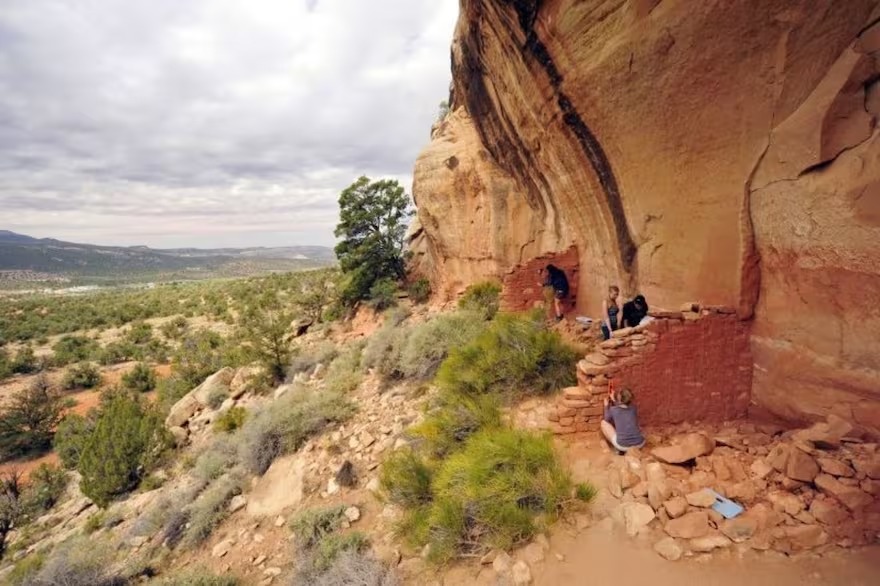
column 499, row 489
column 312, row 525
column 78, row 562
column 284, row 426
column 211, row 508
column 139, row 333
column 118, row 352
column 141, row 378
column 383, row 294
column 128, row 440
column 170, row 390
column 266, row 328
column 71, row 349
column 428, row 344
column 516, row 355
column 482, row 298
column 419, row 290
column 29, row 419
column 219, row 457
column 584, row 492
column 202, row 353
column 351, row 567
column 84, row 375
column 230, row 420
column 175, row 329
column 453, row 420
column 406, row 479
column 5, row 364
column 328, row 549
column 25, row 361
column 94, row 522
column 26, row 569
column 70, row 439
column 198, row 577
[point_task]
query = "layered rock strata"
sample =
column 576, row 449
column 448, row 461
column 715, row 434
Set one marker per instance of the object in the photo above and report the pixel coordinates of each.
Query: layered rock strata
column 719, row 151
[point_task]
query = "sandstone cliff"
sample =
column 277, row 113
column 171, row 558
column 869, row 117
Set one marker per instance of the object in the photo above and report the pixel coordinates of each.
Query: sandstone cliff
column 717, row 151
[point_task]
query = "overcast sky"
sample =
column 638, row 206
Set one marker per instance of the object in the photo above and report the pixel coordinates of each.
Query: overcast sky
column 210, row 122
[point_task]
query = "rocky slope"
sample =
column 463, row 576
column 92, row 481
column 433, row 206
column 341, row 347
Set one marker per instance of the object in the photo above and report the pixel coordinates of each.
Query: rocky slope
column 723, row 152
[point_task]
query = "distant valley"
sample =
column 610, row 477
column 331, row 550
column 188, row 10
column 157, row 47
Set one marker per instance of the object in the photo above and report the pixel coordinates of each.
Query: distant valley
column 27, row 260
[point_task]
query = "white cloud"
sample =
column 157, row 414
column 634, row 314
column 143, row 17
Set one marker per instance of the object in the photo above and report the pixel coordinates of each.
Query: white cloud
column 209, row 122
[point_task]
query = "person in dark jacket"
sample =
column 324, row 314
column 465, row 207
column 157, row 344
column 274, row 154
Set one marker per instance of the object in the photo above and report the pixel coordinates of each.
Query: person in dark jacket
column 634, row 311
column 555, row 278
column 620, row 425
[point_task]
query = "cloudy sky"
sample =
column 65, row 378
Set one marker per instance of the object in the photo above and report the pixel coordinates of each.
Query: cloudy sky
column 210, row 122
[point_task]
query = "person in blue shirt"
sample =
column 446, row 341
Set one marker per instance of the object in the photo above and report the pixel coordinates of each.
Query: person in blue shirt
column 620, row 426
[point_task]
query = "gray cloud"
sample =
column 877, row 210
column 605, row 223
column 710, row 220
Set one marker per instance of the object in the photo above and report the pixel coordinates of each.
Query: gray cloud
column 209, row 122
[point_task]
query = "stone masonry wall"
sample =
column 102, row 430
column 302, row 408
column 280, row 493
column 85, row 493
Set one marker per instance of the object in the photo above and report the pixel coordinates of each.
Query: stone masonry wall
column 683, row 366
column 520, row 290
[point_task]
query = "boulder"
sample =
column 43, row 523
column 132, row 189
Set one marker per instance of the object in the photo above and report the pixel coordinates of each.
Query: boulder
column 279, row 489
column 688, row 526
column 702, row 498
column 835, row 467
column 669, row 549
column 801, row 466
column 182, row 411
column 658, row 492
column 786, row 502
column 739, row 528
column 217, row 383
column 689, row 447
column 826, row 435
column 789, row 539
column 180, row 435
column 636, row 516
column 222, row 548
column 520, row 574
column 502, row 563
column 352, row 513
column 778, row 457
column 853, row 498
column 868, row 465
column 676, row 507
column 237, row 503
column 707, row 543
column 242, row 380
column 760, row 469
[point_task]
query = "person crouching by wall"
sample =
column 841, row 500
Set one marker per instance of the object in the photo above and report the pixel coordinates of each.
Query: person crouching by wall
column 555, row 278
column 610, row 311
column 620, row 425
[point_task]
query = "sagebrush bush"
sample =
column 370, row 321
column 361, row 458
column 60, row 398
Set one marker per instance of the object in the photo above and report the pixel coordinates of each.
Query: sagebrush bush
column 175, row 328
column 312, row 525
column 141, row 378
column 284, row 426
column 482, row 298
column 515, row 355
column 77, row 562
column 219, row 457
column 344, row 374
column 383, row 294
column 306, row 360
column 352, row 568
column 211, row 508
column 230, row 420
column 24, row 361
column 428, row 344
column 26, row 569
column 198, row 577
column 128, row 439
column 84, row 375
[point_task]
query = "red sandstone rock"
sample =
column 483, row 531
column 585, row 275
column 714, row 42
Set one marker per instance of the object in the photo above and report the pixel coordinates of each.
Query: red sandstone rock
column 828, row 511
column 688, row 526
column 676, row 507
column 870, row 466
column 709, row 542
column 835, row 467
column 778, row 457
column 851, row 497
column 689, row 447
column 740, row 528
column 786, row 502
column 799, row 538
column 597, row 359
column 801, row 466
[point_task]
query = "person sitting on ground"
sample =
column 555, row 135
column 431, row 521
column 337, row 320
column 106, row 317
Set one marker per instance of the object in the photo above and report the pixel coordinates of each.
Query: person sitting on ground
column 555, row 278
column 634, row 311
column 610, row 309
column 620, row 425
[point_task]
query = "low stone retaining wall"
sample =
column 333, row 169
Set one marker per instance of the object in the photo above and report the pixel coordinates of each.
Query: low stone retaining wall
column 683, row 366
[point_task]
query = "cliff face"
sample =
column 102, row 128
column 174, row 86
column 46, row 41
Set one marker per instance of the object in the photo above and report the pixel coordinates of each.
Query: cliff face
column 717, row 151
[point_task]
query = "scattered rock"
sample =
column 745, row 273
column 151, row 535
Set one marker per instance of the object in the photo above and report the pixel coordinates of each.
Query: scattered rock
column 332, row 486
column 628, row 478
column 222, row 548
column 870, row 467
column 636, row 516
column 533, row 553
column 217, row 383
column 259, row 560
column 852, row 497
column 658, row 492
column 502, row 562
column 280, row 521
column 702, row 498
column 778, row 457
column 272, row 571
column 786, row 502
column 688, row 526
column 761, row 469
column 521, row 574
column 709, row 542
column 352, row 514
column 801, row 466
column 669, row 549
column 237, row 503
column 374, row 485
column 489, row 557
column 179, row 434
column 690, row 447
column 826, row 435
column 676, row 507
column 182, row 411
column 790, row 539
column 835, row 467
column 739, row 528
